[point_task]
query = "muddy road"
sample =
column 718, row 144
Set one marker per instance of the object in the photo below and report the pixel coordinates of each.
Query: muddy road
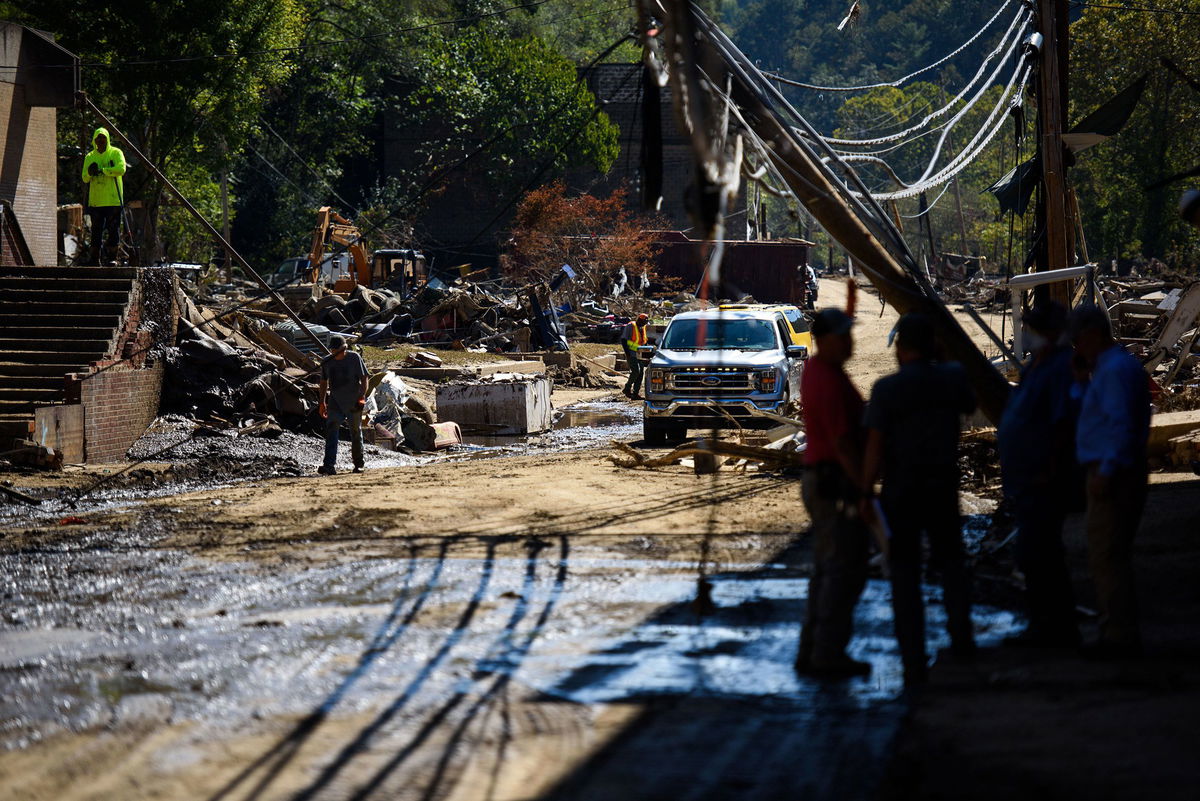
column 517, row 620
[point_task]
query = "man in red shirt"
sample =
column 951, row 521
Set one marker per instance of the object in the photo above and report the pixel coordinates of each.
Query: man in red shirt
column 833, row 422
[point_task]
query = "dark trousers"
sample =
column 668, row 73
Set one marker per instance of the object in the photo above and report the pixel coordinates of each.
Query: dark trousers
column 636, row 368
column 1113, row 514
column 839, row 572
column 930, row 508
column 1040, row 513
column 106, row 229
column 333, row 424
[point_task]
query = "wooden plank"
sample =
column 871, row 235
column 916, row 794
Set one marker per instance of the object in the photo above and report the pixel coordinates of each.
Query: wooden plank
column 272, row 341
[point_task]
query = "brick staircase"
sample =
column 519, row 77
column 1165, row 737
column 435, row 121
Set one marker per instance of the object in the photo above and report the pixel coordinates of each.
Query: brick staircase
column 54, row 321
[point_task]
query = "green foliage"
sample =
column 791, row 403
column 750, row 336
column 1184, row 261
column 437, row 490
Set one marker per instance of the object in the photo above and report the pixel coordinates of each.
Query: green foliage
column 1111, row 48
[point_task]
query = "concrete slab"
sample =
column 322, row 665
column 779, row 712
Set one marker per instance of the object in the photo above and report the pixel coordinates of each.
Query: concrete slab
column 1165, row 427
column 471, row 371
column 520, row 406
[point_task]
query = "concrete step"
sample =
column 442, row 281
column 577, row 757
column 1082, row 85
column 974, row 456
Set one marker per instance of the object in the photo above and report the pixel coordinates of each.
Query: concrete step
column 13, row 408
column 23, row 282
column 69, row 272
column 53, row 310
column 9, row 345
column 63, row 295
column 68, row 360
column 24, row 319
column 29, row 393
column 35, row 333
column 14, row 426
column 49, row 383
column 16, row 369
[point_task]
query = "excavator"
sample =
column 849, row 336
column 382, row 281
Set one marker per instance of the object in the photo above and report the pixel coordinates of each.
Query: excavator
column 400, row 269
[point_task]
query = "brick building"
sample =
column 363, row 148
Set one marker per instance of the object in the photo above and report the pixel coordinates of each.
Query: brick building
column 36, row 77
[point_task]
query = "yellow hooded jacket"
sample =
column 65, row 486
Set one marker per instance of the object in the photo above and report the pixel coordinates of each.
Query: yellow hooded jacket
column 106, row 188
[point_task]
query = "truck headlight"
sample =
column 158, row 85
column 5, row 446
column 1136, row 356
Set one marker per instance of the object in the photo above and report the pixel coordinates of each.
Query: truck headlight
column 658, row 380
column 768, row 380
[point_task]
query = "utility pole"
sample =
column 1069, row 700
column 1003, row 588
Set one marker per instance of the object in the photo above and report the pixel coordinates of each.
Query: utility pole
column 1052, row 24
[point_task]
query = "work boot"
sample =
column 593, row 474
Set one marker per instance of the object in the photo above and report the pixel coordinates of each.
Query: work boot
column 1108, row 651
column 842, row 667
column 326, row 470
column 358, row 468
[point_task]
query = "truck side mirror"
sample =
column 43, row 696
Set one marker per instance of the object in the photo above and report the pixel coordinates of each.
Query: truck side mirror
column 647, row 350
column 796, row 352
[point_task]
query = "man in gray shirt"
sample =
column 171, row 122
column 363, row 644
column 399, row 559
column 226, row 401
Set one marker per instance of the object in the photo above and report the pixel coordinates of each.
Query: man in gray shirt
column 343, row 395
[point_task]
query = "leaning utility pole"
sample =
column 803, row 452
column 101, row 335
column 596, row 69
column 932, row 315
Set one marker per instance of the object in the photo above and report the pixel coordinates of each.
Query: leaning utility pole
column 1052, row 24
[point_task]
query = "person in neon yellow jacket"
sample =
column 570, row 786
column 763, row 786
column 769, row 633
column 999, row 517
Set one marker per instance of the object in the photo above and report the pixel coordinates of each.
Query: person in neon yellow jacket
column 102, row 171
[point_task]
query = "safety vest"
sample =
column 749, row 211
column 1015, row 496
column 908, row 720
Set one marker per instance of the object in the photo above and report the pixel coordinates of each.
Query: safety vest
column 638, row 338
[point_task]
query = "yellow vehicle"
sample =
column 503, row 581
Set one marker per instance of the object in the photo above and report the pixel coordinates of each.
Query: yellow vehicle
column 793, row 324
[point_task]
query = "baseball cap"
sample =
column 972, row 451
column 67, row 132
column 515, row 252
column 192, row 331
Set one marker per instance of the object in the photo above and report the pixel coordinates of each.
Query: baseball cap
column 831, row 321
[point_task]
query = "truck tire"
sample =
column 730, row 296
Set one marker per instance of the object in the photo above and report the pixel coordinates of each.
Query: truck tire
column 654, row 432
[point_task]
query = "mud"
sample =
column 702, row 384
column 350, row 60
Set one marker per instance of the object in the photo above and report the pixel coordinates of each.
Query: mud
column 424, row 636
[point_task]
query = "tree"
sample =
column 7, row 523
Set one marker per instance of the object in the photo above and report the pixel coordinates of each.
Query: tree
column 597, row 237
column 1110, row 49
column 184, row 80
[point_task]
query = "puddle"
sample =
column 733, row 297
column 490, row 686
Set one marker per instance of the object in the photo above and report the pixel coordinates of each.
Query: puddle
column 225, row 640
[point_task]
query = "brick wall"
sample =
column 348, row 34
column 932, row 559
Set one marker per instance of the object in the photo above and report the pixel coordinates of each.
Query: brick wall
column 119, row 405
column 28, row 175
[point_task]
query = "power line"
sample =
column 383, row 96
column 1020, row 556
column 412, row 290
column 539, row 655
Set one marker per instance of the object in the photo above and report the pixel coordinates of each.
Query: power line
column 1014, row 33
column 898, row 81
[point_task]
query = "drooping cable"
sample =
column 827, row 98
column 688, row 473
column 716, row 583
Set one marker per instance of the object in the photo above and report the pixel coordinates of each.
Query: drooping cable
column 898, row 81
column 1019, row 25
column 969, row 153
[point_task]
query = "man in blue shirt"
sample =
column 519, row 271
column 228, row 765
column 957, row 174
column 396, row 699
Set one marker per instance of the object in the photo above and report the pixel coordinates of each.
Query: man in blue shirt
column 1114, row 426
column 1036, row 440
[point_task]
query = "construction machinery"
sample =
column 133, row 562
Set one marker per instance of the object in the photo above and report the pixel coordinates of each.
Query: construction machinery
column 351, row 268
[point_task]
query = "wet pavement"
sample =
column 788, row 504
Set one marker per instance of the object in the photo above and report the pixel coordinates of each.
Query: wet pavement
column 429, row 637
column 464, row 666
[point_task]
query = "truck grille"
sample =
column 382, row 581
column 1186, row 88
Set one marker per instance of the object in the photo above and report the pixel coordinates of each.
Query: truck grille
column 711, row 381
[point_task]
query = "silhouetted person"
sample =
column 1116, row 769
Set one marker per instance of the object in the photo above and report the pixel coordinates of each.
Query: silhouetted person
column 833, row 425
column 1037, row 459
column 913, row 424
column 1110, row 442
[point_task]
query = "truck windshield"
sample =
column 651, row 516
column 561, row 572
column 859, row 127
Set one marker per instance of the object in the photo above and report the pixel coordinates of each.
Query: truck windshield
column 720, row 334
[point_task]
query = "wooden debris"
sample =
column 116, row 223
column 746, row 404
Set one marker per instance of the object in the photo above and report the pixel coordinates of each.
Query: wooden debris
column 708, row 448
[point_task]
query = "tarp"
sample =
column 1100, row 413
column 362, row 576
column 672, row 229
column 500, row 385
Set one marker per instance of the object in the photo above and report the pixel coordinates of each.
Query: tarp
column 1014, row 190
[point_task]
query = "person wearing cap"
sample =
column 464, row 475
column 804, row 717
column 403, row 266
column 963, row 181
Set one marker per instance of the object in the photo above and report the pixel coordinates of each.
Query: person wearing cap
column 1110, row 442
column 343, row 395
column 1036, row 440
column 833, row 411
column 633, row 336
column 102, row 171
column 913, row 421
